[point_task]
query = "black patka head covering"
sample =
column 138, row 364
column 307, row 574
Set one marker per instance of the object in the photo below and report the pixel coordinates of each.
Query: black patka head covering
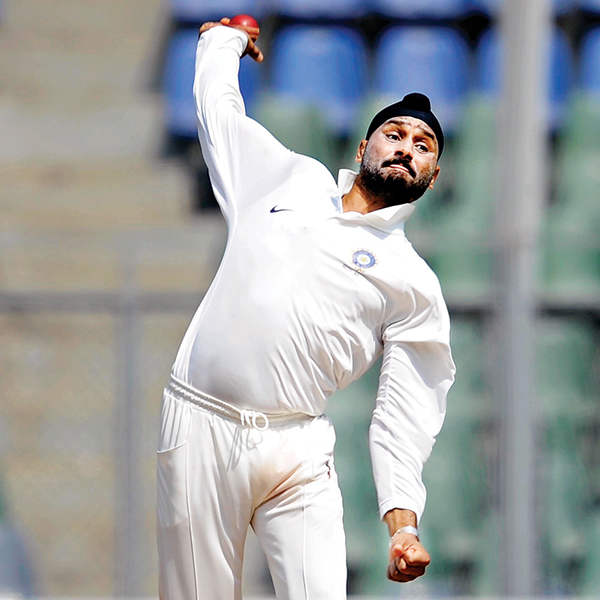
column 412, row 105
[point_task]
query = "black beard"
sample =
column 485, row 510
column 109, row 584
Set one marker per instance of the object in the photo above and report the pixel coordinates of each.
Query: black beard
column 392, row 188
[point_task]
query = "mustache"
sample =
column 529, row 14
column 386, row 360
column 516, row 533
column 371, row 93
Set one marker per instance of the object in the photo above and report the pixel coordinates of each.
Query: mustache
column 399, row 161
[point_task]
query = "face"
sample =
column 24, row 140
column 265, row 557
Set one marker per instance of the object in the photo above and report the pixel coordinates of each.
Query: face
column 399, row 161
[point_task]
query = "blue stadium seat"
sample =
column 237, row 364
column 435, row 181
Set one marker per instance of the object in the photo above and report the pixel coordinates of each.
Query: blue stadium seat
column 432, row 60
column 315, row 9
column 592, row 6
column 589, row 78
column 492, row 7
column 179, row 78
column 323, row 67
column 197, row 11
column 560, row 78
column 434, row 9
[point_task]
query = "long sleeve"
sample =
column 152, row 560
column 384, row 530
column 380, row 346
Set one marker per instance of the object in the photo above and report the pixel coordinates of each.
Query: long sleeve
column 244, row 160
column 416, row 374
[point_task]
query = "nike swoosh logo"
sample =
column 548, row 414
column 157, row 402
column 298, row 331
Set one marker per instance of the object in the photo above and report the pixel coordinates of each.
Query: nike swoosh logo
column 275, row 209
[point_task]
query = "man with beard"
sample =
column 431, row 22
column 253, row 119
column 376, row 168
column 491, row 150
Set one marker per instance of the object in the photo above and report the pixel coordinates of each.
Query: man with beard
column 317, row 281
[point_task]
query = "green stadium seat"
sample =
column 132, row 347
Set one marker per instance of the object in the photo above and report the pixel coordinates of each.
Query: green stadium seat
column 366, row 537
column 565, row 351
column 570, row 266
column 565, row 355
column 463, row 256
column 469, row 398
column 486, row 574
column 299, row 127
column 589, row 585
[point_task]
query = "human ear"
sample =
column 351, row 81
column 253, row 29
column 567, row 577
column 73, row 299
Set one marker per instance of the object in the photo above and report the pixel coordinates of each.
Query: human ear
column 434, row 178
column 360, row 152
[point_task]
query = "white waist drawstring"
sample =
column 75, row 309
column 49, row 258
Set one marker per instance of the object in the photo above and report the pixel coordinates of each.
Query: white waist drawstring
column 248, row 418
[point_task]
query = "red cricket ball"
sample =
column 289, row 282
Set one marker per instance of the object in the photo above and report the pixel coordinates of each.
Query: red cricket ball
column 244, row 21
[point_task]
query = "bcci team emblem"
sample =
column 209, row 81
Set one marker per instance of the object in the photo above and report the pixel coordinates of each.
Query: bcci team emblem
column 363, row 259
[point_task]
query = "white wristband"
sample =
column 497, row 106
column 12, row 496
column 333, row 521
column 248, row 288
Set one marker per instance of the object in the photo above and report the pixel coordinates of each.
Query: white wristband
column 406, row 529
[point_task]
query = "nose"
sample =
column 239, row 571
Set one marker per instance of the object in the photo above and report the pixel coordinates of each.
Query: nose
column 404, row 149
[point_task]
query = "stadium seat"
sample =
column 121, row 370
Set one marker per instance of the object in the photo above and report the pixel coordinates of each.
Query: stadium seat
column 323, row 67
column 565, row 356
column 590, row 577
column 317, row 9
column 299, row 127
column 564, row 496
column 560, row 73
column 492, row 7
column 350, row 410
column 433, row 9
column 486, row 580
column 179, row 78
column 432, row 60
column 592, row 6
column 570, row 265
column 198, row 11
column 566, row 399
column 469, row 398
column 571, row 247
column 455, row 480
column 463, row 256
column 589, row 79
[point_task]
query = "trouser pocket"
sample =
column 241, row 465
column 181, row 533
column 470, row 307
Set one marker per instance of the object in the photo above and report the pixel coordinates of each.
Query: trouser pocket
column 175, row 419
column 171, row 456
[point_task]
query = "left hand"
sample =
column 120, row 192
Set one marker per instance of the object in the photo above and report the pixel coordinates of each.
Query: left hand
column 408, row 558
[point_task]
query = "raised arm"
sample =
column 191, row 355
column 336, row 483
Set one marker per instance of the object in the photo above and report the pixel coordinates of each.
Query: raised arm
column 416, row 373
column 244, row 160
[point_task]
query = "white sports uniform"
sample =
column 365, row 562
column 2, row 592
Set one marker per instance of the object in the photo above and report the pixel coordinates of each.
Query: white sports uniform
column 306, row 298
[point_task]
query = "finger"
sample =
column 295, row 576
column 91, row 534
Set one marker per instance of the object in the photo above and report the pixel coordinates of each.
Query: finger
column 254, row 51
column 414, row 571
column 209, row 25
column 395, row 575
column 225, row 20
column 417, row 557
column 251, row 32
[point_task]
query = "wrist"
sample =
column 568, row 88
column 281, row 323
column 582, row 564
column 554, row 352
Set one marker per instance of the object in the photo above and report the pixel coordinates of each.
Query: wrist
column 406, row 529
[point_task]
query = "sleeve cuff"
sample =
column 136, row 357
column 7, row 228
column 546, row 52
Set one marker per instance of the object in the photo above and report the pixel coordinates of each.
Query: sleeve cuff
column 402, row 502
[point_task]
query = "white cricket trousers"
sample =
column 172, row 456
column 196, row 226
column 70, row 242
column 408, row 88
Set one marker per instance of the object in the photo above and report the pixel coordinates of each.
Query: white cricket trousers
column 215, row 476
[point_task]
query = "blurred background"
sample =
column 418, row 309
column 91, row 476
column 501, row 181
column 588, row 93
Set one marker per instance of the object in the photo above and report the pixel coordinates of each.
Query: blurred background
column 109, row 236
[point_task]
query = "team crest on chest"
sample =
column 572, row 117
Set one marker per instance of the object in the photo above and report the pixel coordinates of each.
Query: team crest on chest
column 363, row 259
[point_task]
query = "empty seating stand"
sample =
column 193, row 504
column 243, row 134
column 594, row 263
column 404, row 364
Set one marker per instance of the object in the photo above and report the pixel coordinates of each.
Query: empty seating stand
column 334, row 10
column 559, row 78
column 571, row 247
column 493, row 7
column 432, row 60
column 324, row 67
column 198, row 11
column 590, row 6
column 180, row 108
column 424, row 9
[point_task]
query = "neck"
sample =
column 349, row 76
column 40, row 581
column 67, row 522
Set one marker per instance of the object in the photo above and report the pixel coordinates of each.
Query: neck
column 360, row 200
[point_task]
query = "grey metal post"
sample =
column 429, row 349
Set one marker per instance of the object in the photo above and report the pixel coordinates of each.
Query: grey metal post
column 128, row 507
column 522, row 149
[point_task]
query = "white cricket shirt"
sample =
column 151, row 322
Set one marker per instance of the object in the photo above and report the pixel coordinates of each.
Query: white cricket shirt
column 307, row 297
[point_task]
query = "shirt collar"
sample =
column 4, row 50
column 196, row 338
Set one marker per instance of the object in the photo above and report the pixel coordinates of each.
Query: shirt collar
column 387, row 219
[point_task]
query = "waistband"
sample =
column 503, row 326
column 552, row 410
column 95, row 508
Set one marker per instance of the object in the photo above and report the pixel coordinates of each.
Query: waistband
column 247, row 417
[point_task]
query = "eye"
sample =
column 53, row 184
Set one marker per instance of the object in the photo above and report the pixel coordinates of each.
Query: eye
column 422, row 148
column 393, row 136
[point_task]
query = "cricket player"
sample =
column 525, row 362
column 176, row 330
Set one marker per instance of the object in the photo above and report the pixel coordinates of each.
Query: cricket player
column 317, row 281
